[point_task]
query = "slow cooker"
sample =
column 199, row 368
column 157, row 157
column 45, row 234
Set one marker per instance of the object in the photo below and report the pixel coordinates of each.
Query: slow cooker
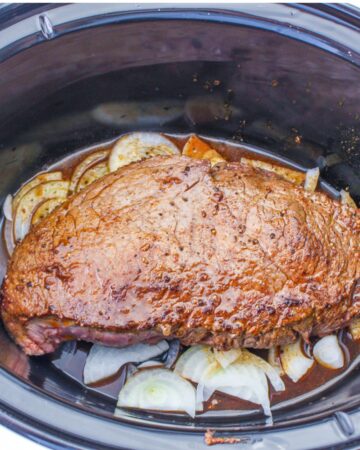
column 288, row 81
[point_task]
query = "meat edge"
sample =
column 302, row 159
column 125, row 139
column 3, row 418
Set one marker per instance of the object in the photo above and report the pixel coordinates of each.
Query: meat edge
column 39, row 336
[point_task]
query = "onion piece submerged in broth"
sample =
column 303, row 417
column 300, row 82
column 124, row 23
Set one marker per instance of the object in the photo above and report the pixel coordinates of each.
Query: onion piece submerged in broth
column 328, row 352
column 243, row 380
column 274, row 359
column 294, row 362
column 239, row 373
column 103, row 362
column 158, row 389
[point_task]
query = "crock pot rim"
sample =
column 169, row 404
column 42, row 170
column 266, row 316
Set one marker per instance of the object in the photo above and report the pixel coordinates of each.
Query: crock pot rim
column 229, row 14
column 42, row 425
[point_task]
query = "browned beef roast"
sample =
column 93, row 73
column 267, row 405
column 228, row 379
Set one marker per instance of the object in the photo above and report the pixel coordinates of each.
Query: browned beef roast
column 230, row 256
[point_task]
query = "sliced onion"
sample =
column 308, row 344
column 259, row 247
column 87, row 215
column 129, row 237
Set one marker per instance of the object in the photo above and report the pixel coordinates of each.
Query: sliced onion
column 103, row 362
column 346, row 199
column 238, row 373
column 173, row 353
column 355, row 328
column 39, row 179
column 9, row 237
column 150, row 363
column 29, row 202
column 45, row 208
column 311, row 180
column 225, row 358
column 328, row 352
column 158, row 389
column 273, row 375
column 7, row 207
column 274, row 359
column 202, row 395
column 92, row 174
column 294, row 176
column 194, row 362
column 84, row 165
column 136, row 146
column 242, row 380
column 294, row 362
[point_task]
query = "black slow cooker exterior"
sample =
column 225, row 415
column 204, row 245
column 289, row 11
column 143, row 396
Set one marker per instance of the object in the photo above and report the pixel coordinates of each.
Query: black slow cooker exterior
column 281, row 77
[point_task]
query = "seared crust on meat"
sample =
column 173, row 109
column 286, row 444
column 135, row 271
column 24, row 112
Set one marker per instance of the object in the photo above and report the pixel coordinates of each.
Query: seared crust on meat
column 230, row 255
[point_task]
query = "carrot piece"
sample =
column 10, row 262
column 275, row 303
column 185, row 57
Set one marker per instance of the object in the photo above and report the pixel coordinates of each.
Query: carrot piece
column 198, row 149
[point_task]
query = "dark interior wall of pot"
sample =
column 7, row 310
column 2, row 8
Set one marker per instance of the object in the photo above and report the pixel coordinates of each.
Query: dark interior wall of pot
column 181, row 76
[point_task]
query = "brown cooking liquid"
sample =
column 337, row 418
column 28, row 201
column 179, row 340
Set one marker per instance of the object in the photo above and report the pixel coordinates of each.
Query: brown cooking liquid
column 72, row 362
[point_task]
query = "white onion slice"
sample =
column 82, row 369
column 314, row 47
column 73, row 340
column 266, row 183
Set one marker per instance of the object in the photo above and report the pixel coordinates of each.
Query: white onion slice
column 92, row 174
column 194, row 362
column 158, row 389
column 9, row 237
column 346, row 199
column 355, row 328
column 202, row 394
column 328, row 352
column 84, row 165
column 243, row 356
column 311, row 180
column 273, row 375
column 225, row 358
column 294, row 176
column 239, row 373
column 103, row 362
column 150, row 363
column 45, row 208
column 274, row 359
column 136, row 146
column 294, row 362
column 242, row 380
column 39, row 179
column 36, row 181
column 29, row 202
column 7, row 207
